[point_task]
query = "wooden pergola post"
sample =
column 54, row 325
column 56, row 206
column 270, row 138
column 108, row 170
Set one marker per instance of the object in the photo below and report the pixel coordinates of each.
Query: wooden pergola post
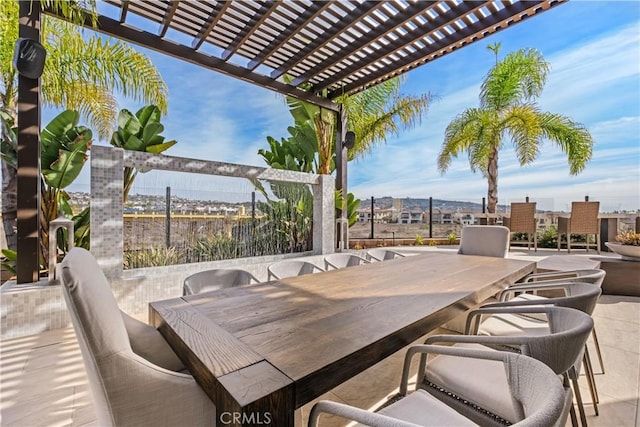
column 342, row 157
column 28, row 177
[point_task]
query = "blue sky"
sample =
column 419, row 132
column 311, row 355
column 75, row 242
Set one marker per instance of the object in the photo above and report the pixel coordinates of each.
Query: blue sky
column 594, row 51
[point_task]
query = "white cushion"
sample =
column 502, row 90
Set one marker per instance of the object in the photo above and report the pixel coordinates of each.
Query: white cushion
column 531, row 297
column 483, row 382
column 423, row 409
column 513, row 325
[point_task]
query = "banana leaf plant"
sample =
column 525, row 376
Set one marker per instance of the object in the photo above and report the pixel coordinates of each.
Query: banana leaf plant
column 139, row 132
column 64, row 146
column 351, row 203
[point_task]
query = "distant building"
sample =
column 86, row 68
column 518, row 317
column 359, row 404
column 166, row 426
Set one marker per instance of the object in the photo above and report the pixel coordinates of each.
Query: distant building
column 464, row 217
column 411, row 217
column 381, row 215
column 442, row 216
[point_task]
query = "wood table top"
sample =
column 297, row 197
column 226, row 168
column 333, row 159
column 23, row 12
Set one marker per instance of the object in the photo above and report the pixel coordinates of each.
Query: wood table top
column 307, row 334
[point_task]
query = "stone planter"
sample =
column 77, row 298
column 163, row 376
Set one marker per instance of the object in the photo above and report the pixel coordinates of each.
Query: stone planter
column 627, row 252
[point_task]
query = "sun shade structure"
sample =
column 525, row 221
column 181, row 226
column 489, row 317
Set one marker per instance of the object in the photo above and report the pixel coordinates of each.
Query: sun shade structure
column 325, row 48
column 330, row 48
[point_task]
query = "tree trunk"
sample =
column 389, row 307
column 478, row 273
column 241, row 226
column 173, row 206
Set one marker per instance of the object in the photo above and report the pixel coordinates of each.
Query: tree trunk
column 324, row 132
column 492, row 178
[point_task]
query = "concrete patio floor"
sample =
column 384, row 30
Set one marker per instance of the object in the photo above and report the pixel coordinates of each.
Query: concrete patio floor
column 43, row 382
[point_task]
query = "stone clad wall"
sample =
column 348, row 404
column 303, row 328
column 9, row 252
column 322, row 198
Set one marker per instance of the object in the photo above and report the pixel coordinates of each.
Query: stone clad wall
column 34, row 308
column 107, row 207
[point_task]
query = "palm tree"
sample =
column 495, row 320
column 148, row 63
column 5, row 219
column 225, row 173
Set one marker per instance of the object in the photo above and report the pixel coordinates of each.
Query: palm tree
column 508, row 109
column 378, row 112
column 82, row 73
column 373, row 114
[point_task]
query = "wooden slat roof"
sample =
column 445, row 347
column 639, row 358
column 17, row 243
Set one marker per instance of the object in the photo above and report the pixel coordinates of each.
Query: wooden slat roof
column 327, row 47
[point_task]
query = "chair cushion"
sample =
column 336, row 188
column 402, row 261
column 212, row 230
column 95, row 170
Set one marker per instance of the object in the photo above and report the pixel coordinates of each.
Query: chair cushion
column 513, row 325
column 483, row 382
column 147, row 342
column 423, row 409
column 531, row 297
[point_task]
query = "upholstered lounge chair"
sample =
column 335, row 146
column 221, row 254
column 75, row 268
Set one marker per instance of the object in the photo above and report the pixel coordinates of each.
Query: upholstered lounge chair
column 129, row 389
column 484, row 240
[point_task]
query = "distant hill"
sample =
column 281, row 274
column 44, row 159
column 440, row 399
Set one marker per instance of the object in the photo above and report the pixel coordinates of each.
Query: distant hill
column 423, row 204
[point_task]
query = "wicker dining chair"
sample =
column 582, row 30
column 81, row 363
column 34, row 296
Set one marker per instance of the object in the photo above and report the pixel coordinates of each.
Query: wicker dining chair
column 217, row 278
column 593, row 275
column 559, row 347
column 583, row 220
column 577, row 295
column 522, row 220
column 290, row 268
column 343, row 260
column 381, row 254
column 534, row 391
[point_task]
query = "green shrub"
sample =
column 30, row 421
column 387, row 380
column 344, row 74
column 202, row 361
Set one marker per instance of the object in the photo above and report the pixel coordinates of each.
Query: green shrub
column 548, row 238
column 153, row 257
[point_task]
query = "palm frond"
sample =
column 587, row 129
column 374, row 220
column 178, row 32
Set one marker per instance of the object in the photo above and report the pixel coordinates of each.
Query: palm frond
column 96, row 104
column 380, row 111
column 470, row 131
column 573, row 138
column 519, row 77
column 100, row 62
column 522, row 123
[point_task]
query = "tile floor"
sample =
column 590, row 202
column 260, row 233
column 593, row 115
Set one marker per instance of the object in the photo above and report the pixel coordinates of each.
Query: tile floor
column 43, row 383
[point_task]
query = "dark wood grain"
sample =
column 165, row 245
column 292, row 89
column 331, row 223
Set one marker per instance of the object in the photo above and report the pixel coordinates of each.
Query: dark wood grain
column 319, row 330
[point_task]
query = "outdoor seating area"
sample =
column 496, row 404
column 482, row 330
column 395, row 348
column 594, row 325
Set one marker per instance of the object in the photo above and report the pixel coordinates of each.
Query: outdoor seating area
column 585, row 382
column 250, row 305
column 45, row 383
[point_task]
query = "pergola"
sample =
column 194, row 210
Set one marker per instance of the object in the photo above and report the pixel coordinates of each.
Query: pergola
column 330, row 48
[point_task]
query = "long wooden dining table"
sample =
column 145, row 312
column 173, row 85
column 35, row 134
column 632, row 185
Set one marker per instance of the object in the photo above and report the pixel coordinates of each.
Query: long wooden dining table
column 261, row 351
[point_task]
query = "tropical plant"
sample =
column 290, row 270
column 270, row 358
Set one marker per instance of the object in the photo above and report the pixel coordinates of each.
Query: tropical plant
column 11, row 259
column 508, row 110
column 64, row 146
column 298, row 152
column 351, row 204
column 152, row 257
column 83, row 72
column 373, row 114
column 419, row 241
column 381, row 111
column 548, row 238
column 216, row 247
column 139, row 132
